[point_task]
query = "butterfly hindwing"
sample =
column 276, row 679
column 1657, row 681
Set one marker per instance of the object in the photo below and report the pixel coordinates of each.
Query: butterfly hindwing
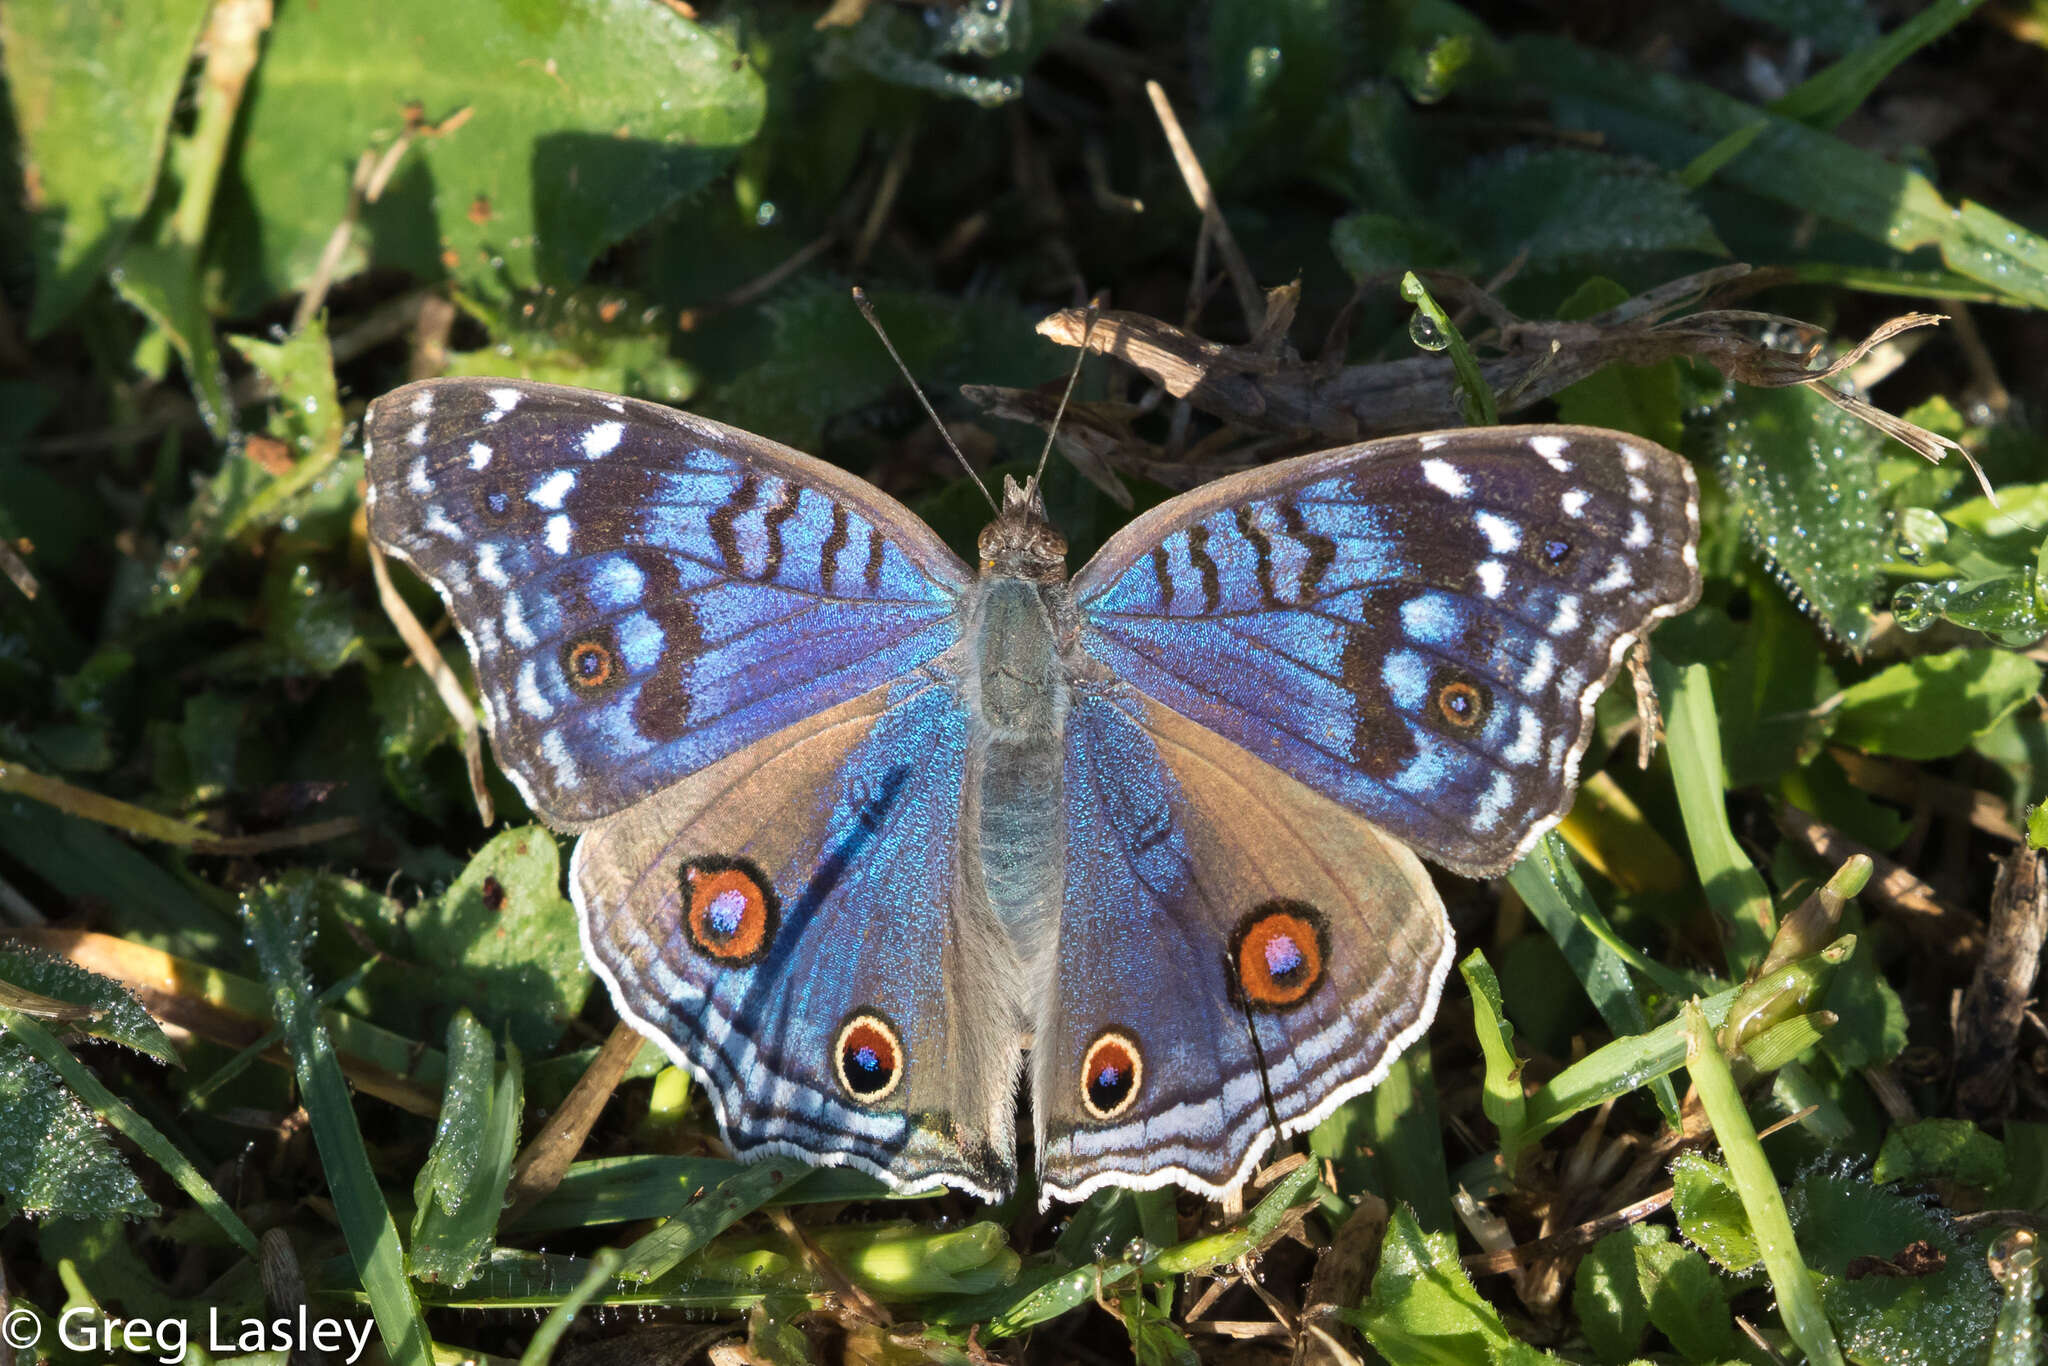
column 1210, row 896
column 788, row 924
column 643, row 591
column 1417, row 627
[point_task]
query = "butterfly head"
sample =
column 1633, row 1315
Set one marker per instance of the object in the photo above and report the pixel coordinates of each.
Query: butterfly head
column 1020, row 543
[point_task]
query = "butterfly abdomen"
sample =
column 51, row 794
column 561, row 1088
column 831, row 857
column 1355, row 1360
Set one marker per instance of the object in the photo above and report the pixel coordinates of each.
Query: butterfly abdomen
column 1017, row 705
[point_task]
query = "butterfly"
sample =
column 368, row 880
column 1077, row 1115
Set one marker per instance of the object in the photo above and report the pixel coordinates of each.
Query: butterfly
column 861, row 825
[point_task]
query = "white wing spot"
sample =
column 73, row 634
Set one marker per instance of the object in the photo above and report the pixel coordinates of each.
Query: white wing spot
column 1542, row 664
column 558, row 533
column 418, row 435
column 1430, row 443
column 1638, row 491
column 1632, row 459
column 1494, row 804
column 489, row 569
column 602, row 439
column 530, row 700
column 1493, row 577
column 437, row 521
column 516, row 629
column 416, row 477
column 1567, row 619
column 423, row 403
column 1501, row 534
column 1691, row 555
column 1445, row 476
column 1551, row 448
column 505, row 399
column 1574, row 502
column 550, row 491
column 1638, row 532
column 479, row 455
column 556, row 751
column 1617, row 576
column 615, row 405
column 1528, row 734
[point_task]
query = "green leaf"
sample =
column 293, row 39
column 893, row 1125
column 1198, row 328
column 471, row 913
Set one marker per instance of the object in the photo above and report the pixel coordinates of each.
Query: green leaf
column 1687, row 1301
column 93, row 84
column 114, row 1012
column 1940, row 1312
column 1710, row 1214
column 701, row 1213
column 162, row 282
column 1941, row 1150
column 54, row 1156
column 1572, row 205
column 1935, row 705
column 507, row 939
column 460, row 1189
column 1424, row 1309
column 1502, row 1098
column 559, row 129
column 1828, row 96
column 1801, row 474
column 1608, row 1297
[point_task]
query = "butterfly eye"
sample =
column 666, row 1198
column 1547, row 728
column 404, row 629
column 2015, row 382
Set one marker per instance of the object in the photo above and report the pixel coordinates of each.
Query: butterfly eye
column 591, row 665
column 1279, row 954
column 1110, row 1073
column 732, row 913
column 869, row 1057
column 1460, row 703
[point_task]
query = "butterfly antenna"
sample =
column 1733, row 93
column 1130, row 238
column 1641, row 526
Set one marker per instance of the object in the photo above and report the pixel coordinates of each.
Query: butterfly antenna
column 867, row 310
column 1073, row 375
column 1251, row 1027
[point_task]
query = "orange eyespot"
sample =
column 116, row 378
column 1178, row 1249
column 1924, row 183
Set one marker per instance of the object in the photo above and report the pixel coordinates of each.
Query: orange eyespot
column 1111, row 1072
column 591, row 665
column 1459, row 702
column 730, row 910
column 868, row 1056
column 1279, row 954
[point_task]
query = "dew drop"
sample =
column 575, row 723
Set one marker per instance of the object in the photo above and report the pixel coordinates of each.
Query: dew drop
column 1423, row 331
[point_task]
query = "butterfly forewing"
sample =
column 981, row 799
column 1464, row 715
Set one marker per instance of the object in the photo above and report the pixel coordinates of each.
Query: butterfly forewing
column 644, row 592
column 1418, row 627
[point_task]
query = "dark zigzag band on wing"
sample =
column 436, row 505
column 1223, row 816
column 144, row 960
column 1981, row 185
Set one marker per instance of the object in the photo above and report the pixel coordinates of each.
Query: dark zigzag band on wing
column 644, row 592
column 851, row 818
column 1418, row 627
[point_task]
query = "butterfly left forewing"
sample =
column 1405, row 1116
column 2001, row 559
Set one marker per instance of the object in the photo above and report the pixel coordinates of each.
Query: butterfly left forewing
column 789, row 924
column 1235, row 952
column 1417, row 627
column 644, row 591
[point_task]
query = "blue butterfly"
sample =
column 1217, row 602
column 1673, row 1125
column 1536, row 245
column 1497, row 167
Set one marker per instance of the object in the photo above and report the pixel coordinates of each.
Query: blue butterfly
column 861, row 825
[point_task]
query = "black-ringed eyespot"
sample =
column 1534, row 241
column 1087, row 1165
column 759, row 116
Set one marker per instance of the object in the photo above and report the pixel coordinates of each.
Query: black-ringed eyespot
column 591, row 664
column 1458, row 701
column 868, row 1057
column 730, row 911
column 1279, row 954
column 1112, row 1071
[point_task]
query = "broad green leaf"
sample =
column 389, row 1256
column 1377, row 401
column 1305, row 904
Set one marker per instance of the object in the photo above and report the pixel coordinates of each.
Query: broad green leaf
column 1941, row 1150
column 1827, row 97
column 1280, row 70
column 55, row 1158
column 508, row 939
column 1768, row 693
column 1687, row 1301
column 1801, row 475
column 1572, row 205
column 114, row 1012
column 1710, row 1214
column 162, row 282
column 1607, row 1293
column 1374, row 244
column 1831, row 25
column 1424, row 1309
column 555, row 131
column 701, row 1213
column 93, row 84
column 1935, row 705
column 1940, row 1312
column 594, row 338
